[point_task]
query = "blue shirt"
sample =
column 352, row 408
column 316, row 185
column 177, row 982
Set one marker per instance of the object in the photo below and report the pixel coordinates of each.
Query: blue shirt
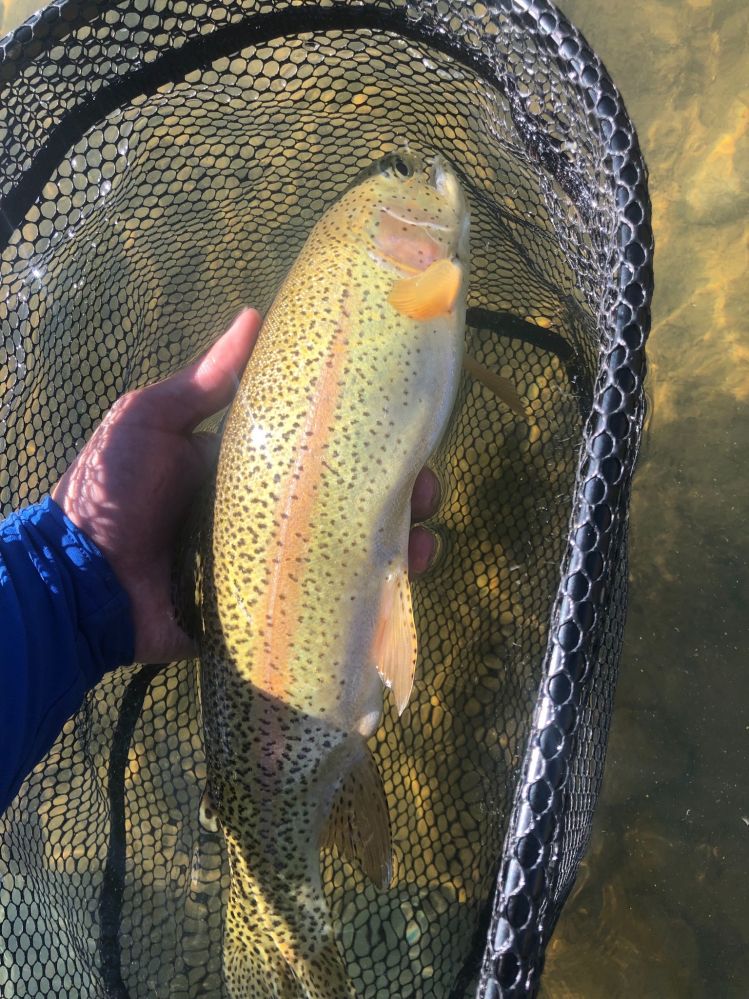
column 64, row 621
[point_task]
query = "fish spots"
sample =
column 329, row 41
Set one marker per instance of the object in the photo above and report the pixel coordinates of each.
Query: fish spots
column 294, row 507
column 307, row 521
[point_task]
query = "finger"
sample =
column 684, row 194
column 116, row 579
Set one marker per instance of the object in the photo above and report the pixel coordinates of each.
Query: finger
column 425, row 496
column 422, row 547
column 216, row 376
column 209, row 383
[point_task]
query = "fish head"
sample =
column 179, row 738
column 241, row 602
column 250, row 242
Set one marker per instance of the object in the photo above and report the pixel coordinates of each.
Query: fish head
column 410, row 211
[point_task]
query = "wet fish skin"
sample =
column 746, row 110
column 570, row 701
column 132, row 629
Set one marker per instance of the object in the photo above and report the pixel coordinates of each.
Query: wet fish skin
column 304, row 599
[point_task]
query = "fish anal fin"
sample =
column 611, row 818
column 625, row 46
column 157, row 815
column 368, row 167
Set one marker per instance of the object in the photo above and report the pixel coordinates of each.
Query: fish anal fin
column 501, row 387
column 395, row 643
column 359, row 824
column 431, row 293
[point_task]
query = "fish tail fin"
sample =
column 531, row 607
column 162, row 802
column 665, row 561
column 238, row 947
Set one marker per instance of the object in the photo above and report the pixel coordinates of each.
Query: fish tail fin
column 324, row 976
column 263, row 963
column 276, row 946
column 254, row 968
column 358, row 825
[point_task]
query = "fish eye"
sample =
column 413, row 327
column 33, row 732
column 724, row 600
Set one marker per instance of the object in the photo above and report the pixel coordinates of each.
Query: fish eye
column 401, row 167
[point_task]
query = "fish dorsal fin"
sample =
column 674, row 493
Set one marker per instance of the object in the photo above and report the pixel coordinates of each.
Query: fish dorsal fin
column 431, row 293
column 359, row 825
column 395, row 644
column 501, row 387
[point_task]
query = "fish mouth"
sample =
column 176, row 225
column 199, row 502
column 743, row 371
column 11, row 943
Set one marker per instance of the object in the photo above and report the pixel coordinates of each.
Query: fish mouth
column 441, row 176
column 421, row 223
column 425, row 220
column 443, row 179
column 411, row 245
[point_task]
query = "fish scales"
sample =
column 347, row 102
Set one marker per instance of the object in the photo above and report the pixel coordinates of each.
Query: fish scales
column 305, row 607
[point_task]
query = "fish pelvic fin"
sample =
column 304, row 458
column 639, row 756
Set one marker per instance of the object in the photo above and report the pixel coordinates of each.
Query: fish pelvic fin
column 501, row 387
column 358, row 825
column 395, row 644
column 429, row 294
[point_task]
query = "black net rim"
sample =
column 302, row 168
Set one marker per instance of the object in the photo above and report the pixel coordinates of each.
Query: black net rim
column 531, row 884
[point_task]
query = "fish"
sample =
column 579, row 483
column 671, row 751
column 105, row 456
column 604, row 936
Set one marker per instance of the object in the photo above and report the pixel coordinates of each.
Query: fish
column 305, row 616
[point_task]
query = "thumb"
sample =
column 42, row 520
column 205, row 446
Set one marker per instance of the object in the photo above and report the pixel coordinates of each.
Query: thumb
column 215, row 377
column 209, row 383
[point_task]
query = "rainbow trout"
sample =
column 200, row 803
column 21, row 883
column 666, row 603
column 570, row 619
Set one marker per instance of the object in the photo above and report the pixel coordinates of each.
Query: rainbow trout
column 304, row 599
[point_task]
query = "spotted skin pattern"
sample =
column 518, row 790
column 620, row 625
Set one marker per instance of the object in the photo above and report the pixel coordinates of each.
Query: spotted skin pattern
column 342, row 403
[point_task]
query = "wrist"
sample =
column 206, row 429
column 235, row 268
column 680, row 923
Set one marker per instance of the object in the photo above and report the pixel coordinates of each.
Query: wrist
column 103, row 607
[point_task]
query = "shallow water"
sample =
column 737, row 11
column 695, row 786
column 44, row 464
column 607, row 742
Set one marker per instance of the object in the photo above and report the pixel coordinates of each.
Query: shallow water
column 661, row 909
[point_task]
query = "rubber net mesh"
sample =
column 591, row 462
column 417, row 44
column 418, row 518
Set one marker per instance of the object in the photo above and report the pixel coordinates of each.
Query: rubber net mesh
column 162, row 165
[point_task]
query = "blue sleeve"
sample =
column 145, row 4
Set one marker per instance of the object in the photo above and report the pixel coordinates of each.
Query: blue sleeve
column 64, row 621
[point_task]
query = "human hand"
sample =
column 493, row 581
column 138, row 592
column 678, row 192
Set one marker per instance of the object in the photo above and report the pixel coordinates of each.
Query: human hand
column 130, row 488
column 424, row 500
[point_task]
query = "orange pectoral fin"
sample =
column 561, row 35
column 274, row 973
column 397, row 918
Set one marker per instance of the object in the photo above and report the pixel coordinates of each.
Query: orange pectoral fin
column 432, row 293
column 395, row 644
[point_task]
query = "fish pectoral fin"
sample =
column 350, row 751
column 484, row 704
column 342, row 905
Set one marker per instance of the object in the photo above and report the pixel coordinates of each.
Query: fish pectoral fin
column 431, row 293
column 359, row 824
column 395, row 644
column 501, row 387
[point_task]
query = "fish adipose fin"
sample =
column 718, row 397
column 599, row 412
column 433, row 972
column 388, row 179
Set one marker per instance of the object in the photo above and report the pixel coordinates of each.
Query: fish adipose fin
column 359, row 825
column 431, row 293
column 501, row 387
column 395, row 643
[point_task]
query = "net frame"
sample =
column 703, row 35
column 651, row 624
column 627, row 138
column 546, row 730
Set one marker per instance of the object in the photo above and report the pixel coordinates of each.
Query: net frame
column 560, row 773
